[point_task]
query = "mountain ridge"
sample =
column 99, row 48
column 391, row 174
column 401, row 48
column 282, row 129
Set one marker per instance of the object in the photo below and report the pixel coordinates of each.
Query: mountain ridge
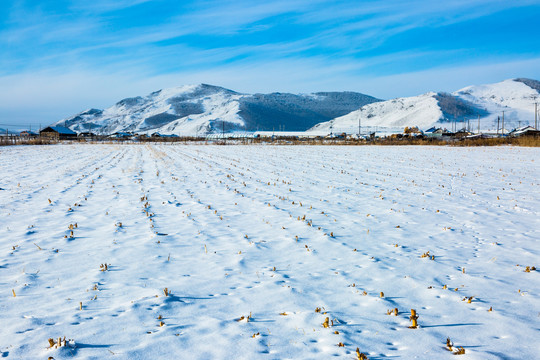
column 203, row 109
column 477, row 103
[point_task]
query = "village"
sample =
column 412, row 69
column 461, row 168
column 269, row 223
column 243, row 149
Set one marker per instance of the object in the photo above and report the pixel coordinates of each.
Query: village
column 433, row 135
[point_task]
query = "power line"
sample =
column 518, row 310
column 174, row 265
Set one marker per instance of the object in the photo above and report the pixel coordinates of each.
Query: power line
column 20, row 124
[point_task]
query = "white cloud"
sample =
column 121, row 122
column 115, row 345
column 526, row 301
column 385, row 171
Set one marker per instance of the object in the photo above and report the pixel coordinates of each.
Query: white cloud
column 452, row 78
column 72, row 63
column 46, row 97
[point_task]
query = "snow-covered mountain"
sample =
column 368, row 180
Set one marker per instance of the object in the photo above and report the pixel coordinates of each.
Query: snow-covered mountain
column 203, row 109
column 516, row 97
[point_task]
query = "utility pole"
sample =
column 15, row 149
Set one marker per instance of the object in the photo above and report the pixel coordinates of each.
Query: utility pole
column 536, row 116
column 498, row 121
column 359, row 126
column 479, row 124
column 468, row 125
column 502, row 129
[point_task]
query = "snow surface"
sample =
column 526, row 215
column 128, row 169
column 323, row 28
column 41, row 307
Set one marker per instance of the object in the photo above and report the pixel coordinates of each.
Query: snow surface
column 218, row 106
column 210, row 223
column 422, row 111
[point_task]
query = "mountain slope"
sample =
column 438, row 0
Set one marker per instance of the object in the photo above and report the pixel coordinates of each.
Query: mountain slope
column 398, row 112
column 203, row 109
column 515, row 97
column 297, row 112
column 159, row 109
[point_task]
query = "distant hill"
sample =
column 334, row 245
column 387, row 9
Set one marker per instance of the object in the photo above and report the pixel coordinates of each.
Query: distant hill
column 203, row 109
column 515, row 97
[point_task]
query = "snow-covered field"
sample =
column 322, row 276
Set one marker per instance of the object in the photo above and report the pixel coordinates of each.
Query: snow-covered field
column 269, row 233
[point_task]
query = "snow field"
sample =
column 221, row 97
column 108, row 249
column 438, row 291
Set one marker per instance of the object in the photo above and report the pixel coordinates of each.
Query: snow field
column 422, row 111
column 269, row 233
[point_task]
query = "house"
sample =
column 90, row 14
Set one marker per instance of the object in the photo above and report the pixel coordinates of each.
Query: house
column 121, row 135
column 434, row 132
column 478, row 136
column 27, row 133
column 287, row 134
column 462, row 133
column 58, row 132
column 525, row 131
column 170, row 136
column 86, row 135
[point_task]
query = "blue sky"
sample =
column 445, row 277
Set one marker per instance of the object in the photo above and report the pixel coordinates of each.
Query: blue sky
column 59, row 57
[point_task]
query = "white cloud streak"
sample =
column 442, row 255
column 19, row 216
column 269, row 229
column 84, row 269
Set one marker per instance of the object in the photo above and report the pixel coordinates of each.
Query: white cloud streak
column 75, row 62
column 47, row 97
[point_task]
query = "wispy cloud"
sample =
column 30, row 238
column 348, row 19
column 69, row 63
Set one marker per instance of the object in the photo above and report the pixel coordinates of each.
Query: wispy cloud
column 104, row 6
column 294, row 45
column 44, row 97
column 342, row 27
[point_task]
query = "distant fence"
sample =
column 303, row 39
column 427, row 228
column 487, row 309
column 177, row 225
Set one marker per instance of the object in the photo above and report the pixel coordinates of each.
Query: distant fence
column 10, row 139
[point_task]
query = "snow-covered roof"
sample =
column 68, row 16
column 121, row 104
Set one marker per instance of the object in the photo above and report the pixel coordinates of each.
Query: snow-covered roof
column 121, row 134
column 61, row 130
column 289, row 133
column 157, row 134
column 234, row 135
column 524, row 130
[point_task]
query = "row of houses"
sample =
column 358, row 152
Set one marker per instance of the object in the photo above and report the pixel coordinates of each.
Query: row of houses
column 440, row 132
column 64, row 133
